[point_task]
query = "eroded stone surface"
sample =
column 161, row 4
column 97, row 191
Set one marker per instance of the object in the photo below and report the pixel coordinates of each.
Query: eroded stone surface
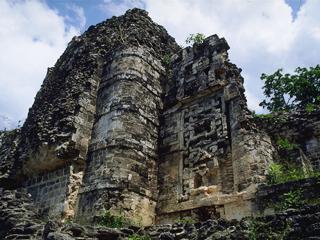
column 128, row 122
column 300, row 128
column 19, row 220
column 51, row 153
column 9, row 141
column 210, row 154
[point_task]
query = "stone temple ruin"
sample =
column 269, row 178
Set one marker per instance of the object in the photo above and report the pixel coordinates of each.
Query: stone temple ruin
column 129, row 122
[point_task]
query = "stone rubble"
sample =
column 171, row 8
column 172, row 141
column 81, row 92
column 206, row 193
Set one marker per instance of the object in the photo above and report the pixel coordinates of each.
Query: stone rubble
column 128, row 122
column 19, row 220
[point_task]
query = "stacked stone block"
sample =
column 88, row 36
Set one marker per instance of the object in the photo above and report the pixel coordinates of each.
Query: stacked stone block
column 206, row 152
column 301, row 129
column 117, row 127
column 59, row 126
column 49, row 191
column 124, row 148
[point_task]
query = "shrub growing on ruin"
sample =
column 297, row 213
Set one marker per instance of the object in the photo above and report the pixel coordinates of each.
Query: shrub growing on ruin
column 263, row 230
column 279, row 173
column 282, row 173
column 112, row 221
column 275, row 173
column 284, row 144
column 293, row 199
column 262, row 116
column 138, row 237
column 310, row 107
column 166, row 59
column 186, row 220
column 195, row 38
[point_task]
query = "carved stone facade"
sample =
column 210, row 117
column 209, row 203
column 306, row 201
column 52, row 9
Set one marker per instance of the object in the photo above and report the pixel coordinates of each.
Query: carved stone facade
column 118, row 126
column 208, row 157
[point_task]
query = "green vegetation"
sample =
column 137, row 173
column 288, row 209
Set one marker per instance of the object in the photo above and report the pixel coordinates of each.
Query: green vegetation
column 262, row 116
column 195, row 38
column 270, row 117
column 166, row 59
column 281, row 173
column 284, row 144
column 275, row 174
column 112, row 221
column 256, row 228
column 263, row 230
column 310, row 107
column 68, row 221
column 253, row 230
column 286, row 91
column 138, row 237
column 292, row 199
column 186, row 220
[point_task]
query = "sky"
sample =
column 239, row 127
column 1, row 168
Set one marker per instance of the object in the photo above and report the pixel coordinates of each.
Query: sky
column 264, row 35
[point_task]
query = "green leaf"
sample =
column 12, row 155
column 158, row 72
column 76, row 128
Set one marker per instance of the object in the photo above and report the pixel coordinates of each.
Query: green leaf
column 289, row 91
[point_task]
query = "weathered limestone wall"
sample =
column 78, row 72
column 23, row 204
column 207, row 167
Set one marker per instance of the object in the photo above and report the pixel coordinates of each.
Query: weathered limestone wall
column 117, row 127
column 9, row 140
column 57, row 131
column 268, row 196
column 252, row 149
column 55, row 193
column 300, row 128
column 49, row 191
column 18, row 216
column 19, row 220
column 312, row 147
column 121, row 173
column 208, row 151
column 59, row 125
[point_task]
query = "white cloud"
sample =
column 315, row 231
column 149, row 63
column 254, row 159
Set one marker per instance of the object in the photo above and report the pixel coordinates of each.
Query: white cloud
column 119, row 7
column 77, row 17
column 7, row 123
column 263, row 35
column 32, row 37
